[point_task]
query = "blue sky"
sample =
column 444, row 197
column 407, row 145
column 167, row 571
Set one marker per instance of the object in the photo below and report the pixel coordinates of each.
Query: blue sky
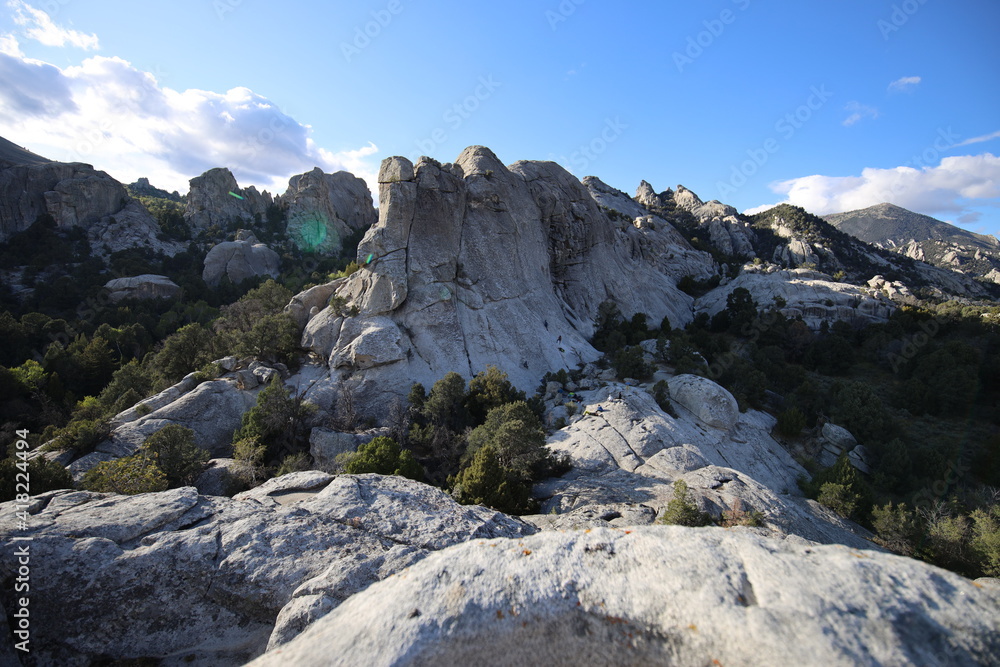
column 830, row 105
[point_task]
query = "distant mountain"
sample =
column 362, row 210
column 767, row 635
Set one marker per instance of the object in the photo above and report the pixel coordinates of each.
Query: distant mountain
column 924, row 238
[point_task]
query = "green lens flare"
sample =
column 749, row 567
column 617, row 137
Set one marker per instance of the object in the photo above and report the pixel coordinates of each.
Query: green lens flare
column 236, row 195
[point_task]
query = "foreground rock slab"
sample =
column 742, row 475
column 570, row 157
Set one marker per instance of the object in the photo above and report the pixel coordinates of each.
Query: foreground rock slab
column 661, row 595
column 194, row 580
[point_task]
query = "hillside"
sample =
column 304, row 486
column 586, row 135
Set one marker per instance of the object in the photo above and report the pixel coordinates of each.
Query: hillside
column 923, row 238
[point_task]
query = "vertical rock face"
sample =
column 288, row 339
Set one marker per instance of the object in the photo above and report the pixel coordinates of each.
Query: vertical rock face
column 209, row 201
column 75, row 195
column 323, row 208
column 473, row 264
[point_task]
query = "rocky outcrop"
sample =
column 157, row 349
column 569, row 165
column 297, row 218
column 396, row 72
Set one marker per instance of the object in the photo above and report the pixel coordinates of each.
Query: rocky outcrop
column 627, row 454
column 146, row 286
column 131, row 227
column 475, row 264
column 726, row 232
column 216, row 199
column 206, row 580
column 813, row 296
column 657, row 241
column 240, row 260
column 657, row 596
column 324, row 208
column 74, row 195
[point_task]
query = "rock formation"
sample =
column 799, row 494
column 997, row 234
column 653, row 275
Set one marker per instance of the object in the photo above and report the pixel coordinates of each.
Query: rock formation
column 324, row 208
column 627, row 454
column 146, row 286
column 657, row 596
column 209, row 581
column 240, row 260
column 475, row 264
column 216, row 199
column 813, row 296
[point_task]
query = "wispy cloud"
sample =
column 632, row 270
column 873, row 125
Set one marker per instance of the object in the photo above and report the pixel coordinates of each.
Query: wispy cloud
column 40, row 27
column 979, row 140
column 858, row 111
column 905, row 84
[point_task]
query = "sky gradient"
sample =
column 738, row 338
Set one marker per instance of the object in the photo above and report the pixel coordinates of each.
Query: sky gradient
column 833, row 106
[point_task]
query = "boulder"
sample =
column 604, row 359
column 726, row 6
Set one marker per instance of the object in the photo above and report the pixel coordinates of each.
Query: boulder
column 131, row 227
column 213, row 410
column 146, row 286
column 705, row 399
column 240, row 260
column 324, row 208
column 657, row 595
column 199, row 580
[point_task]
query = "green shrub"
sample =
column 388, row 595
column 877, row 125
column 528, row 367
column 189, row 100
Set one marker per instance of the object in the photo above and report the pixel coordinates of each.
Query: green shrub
column 986, row 539
column 839, row 498
column 661, row 394
column 895, row 528
column 383, row 456
column 174, row 451
column 629, row 363
column 129, row 476
column 486, row 481
column 791, row 422
column 45, row 475
column 299, row 462
column 737, row 516
column 681, row 511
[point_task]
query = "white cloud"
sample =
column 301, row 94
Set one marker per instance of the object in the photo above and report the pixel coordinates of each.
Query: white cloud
column 40, row 27
column 979, row 140
column 905, row 84
column 858, row 111
column 955, row 184
column 122, row 120
column 10, row 46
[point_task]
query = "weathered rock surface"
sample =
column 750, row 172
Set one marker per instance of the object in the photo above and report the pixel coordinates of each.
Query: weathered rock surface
column 813, row 296
column 657, row 241
column 210, row 201
column 324, row 208
column 213, row 410
column 475, row 264
column 661, row 595
column 146, row 286
column 240, row 260
column 131, row 227
column 711, row 403
column 74, row 195
column 627, row 453
column 202, row 580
